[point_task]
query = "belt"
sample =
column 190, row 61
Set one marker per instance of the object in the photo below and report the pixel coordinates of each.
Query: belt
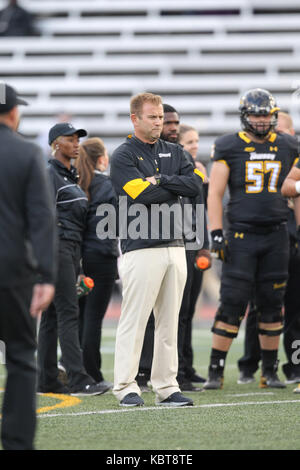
column 259, row 229
column 169, row 244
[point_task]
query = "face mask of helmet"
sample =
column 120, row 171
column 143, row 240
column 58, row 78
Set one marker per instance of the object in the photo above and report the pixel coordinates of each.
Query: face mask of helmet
column 258, row 102
column 258, row 128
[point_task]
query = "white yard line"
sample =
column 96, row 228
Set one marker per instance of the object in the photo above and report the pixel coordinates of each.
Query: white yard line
column 159, row 408
column 248, row 394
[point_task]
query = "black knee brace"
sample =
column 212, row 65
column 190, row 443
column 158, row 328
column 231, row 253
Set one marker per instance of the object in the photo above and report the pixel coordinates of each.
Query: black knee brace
column 270, row 297
column 270, row 317
column 235, row 294
column 231, row 320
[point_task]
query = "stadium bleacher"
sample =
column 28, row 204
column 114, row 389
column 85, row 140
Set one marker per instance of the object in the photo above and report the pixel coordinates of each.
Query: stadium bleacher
column 200, row 56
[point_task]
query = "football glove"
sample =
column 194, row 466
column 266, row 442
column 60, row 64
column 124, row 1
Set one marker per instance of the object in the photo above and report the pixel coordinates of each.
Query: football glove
column 219, row 245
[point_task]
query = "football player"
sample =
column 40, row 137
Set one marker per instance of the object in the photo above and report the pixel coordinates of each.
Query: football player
column 255, row 249
column 248, row 364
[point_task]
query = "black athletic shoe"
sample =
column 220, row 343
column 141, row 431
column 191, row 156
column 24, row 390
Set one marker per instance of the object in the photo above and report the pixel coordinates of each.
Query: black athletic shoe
column 176, row 399
column 245, row 378
column 293, row 378
column 188, row 387
column 58, row 388
column 92, row 390
column 215, row 379
column 196, row 379
column 270, row 379
column 132, row 399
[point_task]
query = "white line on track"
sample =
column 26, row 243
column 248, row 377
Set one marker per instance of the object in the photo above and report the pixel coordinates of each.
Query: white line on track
column 159, row 408
column 248, row 394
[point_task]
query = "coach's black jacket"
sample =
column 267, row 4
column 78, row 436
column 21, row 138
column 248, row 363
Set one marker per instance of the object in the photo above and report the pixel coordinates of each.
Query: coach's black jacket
column 199, row 199
column 131, row 163
column 27, row 222
column 70, row 200
column 102, row 195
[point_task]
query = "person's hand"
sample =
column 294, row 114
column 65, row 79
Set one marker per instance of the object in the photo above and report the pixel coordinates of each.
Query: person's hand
column 203, row 260
column 151, row 179
column 80, row 277
column 219, row 246
column 42, row 296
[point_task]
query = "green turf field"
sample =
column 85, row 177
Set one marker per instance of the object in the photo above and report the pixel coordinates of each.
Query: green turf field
column 241, row 417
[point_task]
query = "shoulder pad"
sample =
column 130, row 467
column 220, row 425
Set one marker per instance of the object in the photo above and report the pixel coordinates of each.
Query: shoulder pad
column 290, row 140
column 226, row 142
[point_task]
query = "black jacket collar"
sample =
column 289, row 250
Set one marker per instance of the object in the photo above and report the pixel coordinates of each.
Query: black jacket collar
column 145, row 144
column 63, row 170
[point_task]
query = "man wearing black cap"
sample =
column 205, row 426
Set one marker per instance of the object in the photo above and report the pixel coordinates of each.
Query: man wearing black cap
column 61, row 320
column 27, row 269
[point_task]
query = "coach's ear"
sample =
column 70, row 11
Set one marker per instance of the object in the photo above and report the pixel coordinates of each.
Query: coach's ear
column 134, row 119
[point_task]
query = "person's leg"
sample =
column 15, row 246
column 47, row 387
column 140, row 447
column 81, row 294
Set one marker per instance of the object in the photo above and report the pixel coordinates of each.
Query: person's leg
column 145, row 366
column 67, row 310
column 47, row 352
column 166, row 312
column 96, row 303
column 190, row 372
column 248, row 363
column 271, row 283
column 291, row 331
column 184, row 321
column 238, row 275
column 141, row 272
column 17, row 330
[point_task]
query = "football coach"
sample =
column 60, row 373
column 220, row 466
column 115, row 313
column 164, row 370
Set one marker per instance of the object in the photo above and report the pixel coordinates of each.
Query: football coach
column 27, row 269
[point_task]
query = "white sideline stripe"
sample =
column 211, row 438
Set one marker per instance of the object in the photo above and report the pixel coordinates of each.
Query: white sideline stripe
column 159, row 408
column 248, row 394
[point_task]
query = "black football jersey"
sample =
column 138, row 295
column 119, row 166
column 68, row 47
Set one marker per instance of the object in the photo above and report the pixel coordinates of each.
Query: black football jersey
column 257, row 171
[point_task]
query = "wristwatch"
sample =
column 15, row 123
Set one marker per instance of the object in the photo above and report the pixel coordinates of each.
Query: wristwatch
column 157, row 178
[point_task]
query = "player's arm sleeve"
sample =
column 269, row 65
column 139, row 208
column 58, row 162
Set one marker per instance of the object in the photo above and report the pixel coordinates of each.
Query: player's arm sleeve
column 40, row 217
column 188, row 183
column 219, row 153
column 296, row 155
column 129, row 181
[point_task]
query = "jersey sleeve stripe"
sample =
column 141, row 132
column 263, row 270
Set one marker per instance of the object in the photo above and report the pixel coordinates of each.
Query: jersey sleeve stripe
column 135, row 187
column 199, row 173
column 222, row 161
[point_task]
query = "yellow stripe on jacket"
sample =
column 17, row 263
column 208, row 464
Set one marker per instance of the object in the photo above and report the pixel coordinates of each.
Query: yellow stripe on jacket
column 135, row 187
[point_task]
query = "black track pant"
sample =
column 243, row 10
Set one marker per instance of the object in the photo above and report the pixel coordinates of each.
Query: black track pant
column 61, row 321
column 17, row 333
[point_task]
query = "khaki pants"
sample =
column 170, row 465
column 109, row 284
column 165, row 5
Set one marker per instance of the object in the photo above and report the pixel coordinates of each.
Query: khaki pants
column 153, row 279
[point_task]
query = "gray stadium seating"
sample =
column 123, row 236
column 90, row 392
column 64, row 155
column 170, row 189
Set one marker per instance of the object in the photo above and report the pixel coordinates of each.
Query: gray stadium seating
column 199, row 55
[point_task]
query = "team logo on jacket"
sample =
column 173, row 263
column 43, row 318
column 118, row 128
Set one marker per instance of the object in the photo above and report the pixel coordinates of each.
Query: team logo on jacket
column 164, row 155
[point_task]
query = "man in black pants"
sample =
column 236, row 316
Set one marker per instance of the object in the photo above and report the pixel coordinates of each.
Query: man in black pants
column 254, row 163
column 248, row 364
column 186, row 373
column 27, row 253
